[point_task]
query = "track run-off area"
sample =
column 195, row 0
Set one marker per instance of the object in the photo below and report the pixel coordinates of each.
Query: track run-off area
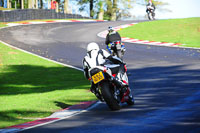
column 165, row 80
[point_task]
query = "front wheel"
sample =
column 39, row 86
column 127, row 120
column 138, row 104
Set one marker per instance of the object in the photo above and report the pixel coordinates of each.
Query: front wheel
column 131, row 100
column 108, row 96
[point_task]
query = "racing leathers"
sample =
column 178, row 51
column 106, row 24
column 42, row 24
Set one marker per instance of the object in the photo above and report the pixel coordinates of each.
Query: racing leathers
column 150, row 6
column 111, row 37
column 100, row 58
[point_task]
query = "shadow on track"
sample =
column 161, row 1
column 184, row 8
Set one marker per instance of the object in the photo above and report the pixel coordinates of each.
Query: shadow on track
column 166, row 98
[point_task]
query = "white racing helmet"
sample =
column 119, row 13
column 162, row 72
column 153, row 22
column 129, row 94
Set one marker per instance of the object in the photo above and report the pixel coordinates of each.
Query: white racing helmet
column 92, row 46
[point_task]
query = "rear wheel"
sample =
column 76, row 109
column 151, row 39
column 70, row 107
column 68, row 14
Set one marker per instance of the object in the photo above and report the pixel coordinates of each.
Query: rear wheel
column 108, row 96
column 119, row 54
column 151, row 15
column 148, row 14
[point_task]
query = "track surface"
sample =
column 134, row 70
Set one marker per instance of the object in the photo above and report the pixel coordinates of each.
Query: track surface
column 165, row 81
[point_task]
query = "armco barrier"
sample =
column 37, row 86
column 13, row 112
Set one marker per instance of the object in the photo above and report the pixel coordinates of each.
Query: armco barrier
column 30, row 14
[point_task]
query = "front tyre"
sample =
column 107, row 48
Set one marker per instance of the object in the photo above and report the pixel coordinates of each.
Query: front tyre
column 108, row 96
column 131, row 100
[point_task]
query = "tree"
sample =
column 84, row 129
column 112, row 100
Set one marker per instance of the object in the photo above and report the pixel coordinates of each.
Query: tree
column 22, row 4
column 110, row 10
column 41, row 4
column 114, row 11
column 30, row 4
column 91, row 8
column 91, row 5
column 66, row 2
column 100, row 12
column 157, row 2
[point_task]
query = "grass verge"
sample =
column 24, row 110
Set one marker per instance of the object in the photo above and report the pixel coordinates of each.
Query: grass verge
column 1, row 8
column 41, row 20
column 2, row 24
column 32, row 88
column 184, row 31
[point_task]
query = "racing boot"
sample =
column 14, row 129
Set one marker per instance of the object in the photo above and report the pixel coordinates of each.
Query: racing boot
column 128, row 96
column 94, row 89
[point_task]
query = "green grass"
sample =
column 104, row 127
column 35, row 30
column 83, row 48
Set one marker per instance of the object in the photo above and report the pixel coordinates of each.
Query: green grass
column 31, row 87
column 1, row 8
column 184, row 31
column 2, row 24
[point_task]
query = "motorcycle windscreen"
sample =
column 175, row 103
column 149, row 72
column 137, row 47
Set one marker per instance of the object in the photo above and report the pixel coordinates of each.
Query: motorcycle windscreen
column 97, row 77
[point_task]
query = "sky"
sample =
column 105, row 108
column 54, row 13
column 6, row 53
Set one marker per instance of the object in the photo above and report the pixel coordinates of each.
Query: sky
column 183, row 8
column 179, row 9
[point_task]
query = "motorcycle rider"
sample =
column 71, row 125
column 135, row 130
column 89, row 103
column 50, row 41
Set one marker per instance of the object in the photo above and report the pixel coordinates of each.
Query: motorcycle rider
column 111, row 37
column 100, row 57
column 152, row 7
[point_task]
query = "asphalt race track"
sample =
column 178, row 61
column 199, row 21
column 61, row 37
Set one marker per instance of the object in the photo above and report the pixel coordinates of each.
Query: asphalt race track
column 165, row 80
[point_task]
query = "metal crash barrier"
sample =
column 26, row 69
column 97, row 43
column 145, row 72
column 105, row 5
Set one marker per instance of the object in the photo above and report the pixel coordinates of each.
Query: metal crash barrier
column 31, row 14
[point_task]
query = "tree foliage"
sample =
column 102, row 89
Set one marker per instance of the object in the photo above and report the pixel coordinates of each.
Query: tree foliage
column 101, row 9
column 91, row 5
column 112, row 9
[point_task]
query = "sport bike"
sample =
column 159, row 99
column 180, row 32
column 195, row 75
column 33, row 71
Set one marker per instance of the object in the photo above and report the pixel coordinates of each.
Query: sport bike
column 106, row 79
column 150, row 13
column 117, row 49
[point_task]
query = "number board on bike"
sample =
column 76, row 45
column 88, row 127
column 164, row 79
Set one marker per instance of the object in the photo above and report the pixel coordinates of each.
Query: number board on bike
column 97, row 77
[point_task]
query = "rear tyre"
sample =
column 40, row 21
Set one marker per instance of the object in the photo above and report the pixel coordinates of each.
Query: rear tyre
column 153, row 15
column 149, row 17
column 119, row 54
column 108, row 96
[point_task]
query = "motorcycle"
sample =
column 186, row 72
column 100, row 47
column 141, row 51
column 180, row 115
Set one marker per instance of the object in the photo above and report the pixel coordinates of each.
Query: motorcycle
column 150, row 13
column 117, row 49
column 106, row 85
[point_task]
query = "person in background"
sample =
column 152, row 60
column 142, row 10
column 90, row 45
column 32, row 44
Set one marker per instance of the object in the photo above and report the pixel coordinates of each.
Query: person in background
column 112, row 36
column 150, row 6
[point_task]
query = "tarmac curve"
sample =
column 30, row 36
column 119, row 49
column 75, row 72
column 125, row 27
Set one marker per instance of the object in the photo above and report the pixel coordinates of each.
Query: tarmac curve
column 165, row 80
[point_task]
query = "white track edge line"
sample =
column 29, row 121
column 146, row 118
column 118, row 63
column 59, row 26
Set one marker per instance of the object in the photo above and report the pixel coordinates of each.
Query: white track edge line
column 70, row 66
column 94, row 105
column 76, row 113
